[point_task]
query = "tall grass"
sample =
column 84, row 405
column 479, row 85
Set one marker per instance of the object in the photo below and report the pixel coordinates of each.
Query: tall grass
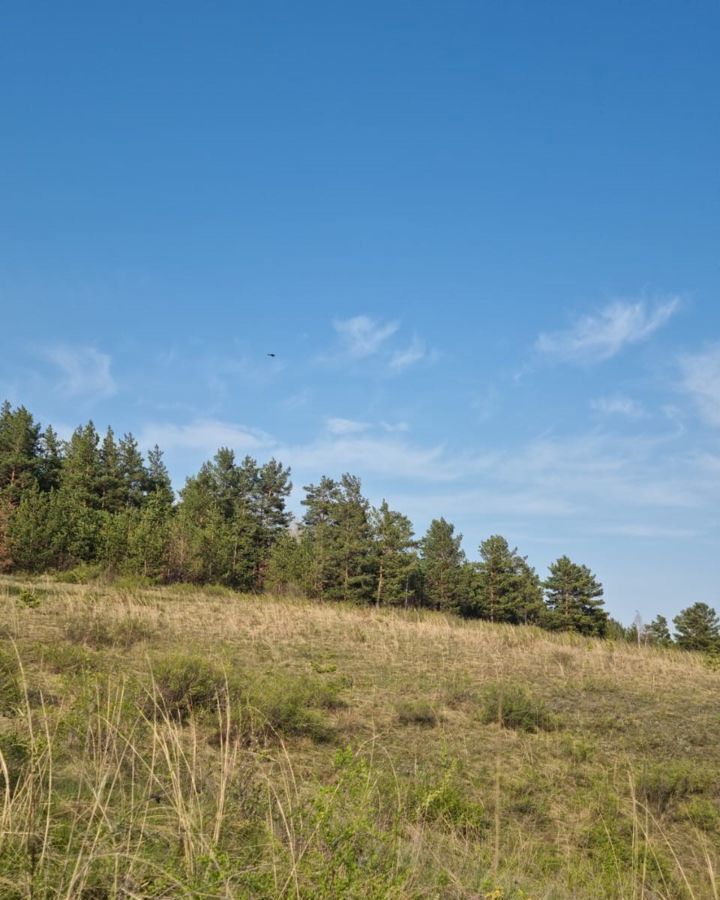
column 244, row 747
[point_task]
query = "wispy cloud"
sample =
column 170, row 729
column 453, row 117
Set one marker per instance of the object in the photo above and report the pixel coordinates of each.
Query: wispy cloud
column 598, row 337
column 345, row 426
column 700, row 378
column 206, row 435
column 83, row 371
column 618, row 405
column 413, row 353
column 361, row 336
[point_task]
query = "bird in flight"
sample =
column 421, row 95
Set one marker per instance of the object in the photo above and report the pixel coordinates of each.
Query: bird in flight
column 270, row 354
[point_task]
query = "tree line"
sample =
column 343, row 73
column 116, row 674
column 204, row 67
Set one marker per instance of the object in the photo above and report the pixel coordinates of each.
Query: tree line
column 98, row 500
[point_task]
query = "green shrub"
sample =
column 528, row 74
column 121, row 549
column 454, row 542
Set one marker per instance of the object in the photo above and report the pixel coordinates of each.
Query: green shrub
column 417, row 712
column 187, row 684
column 11, row 696
column 29, row 598
column 512, row 706
column 291, row 706
column 97, row 631
column 68, row 658
column 445, row 801
column 702, row 812
column 15, row 754
column 663, row 784
column 82, row 574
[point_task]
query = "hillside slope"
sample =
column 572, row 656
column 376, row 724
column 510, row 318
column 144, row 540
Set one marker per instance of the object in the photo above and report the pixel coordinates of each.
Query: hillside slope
column 181, row 743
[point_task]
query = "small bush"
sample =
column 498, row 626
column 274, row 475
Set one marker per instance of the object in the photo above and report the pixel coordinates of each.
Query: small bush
column 29, row 598
column 702, row 812
column 512, row 706
column 417, row 712
column 445, row 802
column 61, row 658
column 82, row 574
column 187, row 684
column 291, row 706
column 99, row 632
column 15, row 754
column 11, row 696
column 664, row 784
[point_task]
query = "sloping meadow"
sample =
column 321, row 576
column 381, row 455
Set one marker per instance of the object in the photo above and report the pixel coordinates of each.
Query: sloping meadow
column 183, row 743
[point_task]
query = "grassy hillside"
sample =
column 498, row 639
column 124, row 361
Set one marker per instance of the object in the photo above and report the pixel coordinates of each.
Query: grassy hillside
column 175, row 743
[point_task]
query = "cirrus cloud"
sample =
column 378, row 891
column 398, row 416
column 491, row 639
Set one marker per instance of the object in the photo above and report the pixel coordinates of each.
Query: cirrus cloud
column 602, row 335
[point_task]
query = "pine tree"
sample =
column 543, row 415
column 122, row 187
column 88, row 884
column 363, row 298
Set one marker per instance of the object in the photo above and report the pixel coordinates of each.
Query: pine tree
column 574, row 599
column 530, row 608
column 442, row 566
column 289, row 567
column 20, row 452
column 658, row 632
column 320, row 520
column 51, row 461
column 498, row 582
column 397, row 562
column 132, row 471
column 149, row 538
column 82, row 469
column 698, row 628
column 159, row 485
column 113, row 494
column 354, row 542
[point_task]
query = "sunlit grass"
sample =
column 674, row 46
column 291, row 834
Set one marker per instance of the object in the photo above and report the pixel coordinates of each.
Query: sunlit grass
column 181, row 743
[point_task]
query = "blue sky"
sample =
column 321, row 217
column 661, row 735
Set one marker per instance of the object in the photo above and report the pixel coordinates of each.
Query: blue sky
column 481, row 239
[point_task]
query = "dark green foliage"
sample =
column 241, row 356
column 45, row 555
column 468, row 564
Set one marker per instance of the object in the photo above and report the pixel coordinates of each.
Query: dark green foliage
column 338, row 531
column 291, row 706
column 20, row 452
column 289, row 565
column 228, row 519
column 92, row 505
column 513, row 706
column 398, row 573
column 417, row 712
column 446, row 801
column 113, row 494
column 664, row 784
column 702, row 812
column 82, row 477
column 188, row 684
column 574, row 599
column 15, row 754
column 658, row 632
column 29, row 598
column 698, row 628
column 505, row 588
column 442, row 566
column 11, row 695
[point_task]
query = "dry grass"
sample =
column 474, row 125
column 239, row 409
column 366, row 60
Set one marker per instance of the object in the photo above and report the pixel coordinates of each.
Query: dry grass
column 180, row 743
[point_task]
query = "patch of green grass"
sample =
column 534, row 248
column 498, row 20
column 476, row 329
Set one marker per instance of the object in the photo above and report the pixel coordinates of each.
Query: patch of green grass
column 82, row 574
column 417, row 712
column 93, row 629
column 292, row 706
column 702, row 812
column 663, row 784
column 11, row 695
column 513, row 706
column 185, row 684
column 15, row 754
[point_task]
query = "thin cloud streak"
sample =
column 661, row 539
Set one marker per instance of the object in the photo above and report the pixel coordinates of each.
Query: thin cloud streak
column 84, row 371
column 618, row 405
column 700, row 378
column 598, row 337
column 361, row 336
